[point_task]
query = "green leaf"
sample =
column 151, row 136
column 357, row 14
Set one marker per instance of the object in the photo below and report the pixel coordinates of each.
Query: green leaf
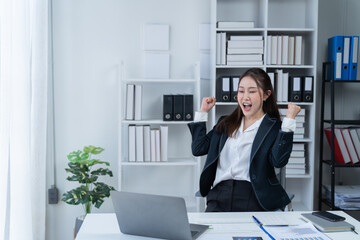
column 87, row 149
column 102, row 171
column 97, row 161
column 97, row 150
column 73, row 156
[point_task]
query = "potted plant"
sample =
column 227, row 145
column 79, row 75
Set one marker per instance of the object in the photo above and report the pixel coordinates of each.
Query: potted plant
column 91, row 191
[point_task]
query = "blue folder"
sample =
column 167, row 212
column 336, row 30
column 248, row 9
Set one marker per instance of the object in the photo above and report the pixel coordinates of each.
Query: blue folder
column 345, row 66
column 354, row 49
column 335, row 54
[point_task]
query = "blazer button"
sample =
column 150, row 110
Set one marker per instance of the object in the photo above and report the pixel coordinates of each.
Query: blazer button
column 253, row 177
column 283, row 142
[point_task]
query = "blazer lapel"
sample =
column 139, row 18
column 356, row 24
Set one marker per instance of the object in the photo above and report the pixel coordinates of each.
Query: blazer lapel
column 263, row 131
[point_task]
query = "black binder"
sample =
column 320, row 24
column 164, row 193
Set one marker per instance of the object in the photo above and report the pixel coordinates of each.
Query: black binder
column 295, row 89
column 234, row 88
column 223, row 89
column 168, row 101
column 178, row 107
column 308, row 89
column 188, row 107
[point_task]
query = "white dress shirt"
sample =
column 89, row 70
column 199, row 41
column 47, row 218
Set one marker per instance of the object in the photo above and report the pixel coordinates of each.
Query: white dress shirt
column 234, row 162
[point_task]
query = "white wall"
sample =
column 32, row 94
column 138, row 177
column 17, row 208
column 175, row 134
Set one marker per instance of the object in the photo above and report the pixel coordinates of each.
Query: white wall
column 90, row 38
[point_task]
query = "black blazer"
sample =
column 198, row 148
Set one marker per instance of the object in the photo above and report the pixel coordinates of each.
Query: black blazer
column 271, row 148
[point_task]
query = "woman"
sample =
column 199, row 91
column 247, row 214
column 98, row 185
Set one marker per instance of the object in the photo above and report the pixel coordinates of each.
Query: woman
column 243, row 149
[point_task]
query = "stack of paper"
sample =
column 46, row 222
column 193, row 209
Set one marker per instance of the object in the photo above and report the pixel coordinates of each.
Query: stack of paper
column 347, row 197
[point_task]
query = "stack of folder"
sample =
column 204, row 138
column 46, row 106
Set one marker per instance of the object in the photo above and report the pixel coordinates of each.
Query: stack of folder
column 227, row 88
column 179, row 107
column 147, row 145
column 343, row 51
column 347, row 197
column 296, row 164
column 292, row 88
column 284, row 50
column 346, row 144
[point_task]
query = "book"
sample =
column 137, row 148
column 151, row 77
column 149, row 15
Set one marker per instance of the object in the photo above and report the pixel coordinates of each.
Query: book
column 139, row 143
column 298, row 50
column 245, row 44
column 231, row 51
column 356, row 140
column 218, row 48
column 299, row 146
column 157, row 146
column 285, row 50
column 350, row 145
column 132, row 143
column 249, row 63
column 152, row 145
column 291, row 51
column 247, row 38
column 274, row 45
column 164, row 143
column 130, row 92
column 296, row 160
column 340, row 151
column 242, row 24
column 138, row 102
column 268, row 50
column 327, row 226
column 295, row 171
column 147, row 144
column 244, row 58
column 296, row 153
column 279, row 50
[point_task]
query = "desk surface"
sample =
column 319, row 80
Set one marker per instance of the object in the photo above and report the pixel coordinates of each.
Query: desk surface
column 223, row 226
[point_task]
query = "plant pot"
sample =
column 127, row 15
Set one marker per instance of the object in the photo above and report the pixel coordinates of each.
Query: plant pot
column 78, row 222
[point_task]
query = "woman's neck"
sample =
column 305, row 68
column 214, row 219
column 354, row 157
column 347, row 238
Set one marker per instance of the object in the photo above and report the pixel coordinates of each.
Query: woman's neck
column 249, row 120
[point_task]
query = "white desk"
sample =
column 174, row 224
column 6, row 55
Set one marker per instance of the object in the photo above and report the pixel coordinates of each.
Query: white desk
column 223, row 226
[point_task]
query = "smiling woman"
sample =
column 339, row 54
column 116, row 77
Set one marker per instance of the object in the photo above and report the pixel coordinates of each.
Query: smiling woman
column 23, row 118
column 243, row 149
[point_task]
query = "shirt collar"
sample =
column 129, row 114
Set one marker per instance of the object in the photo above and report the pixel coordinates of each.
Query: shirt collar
column 253, row 126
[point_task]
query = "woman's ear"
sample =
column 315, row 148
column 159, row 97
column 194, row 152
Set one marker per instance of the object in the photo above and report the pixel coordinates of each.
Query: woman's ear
column 267, row 94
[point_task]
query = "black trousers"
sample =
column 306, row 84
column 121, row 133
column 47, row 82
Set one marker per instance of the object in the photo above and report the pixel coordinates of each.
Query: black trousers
column 232, row 196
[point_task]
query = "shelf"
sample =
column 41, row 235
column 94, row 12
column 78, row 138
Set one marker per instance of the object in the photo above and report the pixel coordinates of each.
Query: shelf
column 342, row 81
column 154, row 121
column 171, row 162
column 343, row 122
column 150, row 80
column 327, row 202
column 298, row 176
column 296, row 30
column 290, row 66
column 242, row 66
column 240, row 29
column 328, row 162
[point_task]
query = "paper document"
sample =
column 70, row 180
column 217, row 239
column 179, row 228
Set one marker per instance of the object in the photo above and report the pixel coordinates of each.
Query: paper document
column 303, row 231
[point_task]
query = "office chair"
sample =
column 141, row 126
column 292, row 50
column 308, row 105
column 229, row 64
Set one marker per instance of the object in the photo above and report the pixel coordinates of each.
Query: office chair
column 281, row 175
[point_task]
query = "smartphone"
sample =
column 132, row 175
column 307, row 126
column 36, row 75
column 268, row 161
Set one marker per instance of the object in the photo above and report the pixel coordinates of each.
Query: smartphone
column 329, row 216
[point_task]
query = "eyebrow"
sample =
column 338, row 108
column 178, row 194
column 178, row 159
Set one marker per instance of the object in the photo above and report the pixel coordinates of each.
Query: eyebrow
column 248, row 88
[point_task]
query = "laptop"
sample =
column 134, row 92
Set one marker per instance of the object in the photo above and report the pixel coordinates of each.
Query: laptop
column 154, row 216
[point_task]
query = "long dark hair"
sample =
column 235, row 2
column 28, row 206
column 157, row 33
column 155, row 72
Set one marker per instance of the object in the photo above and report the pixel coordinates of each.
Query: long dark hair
column 232, row 122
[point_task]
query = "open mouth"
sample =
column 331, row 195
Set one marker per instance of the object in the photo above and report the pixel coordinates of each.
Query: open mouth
column 247, row 107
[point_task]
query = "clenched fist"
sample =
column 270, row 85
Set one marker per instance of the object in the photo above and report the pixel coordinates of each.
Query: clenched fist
column 292, row 111
column 207, row 104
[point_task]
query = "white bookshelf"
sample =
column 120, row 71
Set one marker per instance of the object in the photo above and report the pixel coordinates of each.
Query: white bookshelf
column 179, row 176
column 274, row 17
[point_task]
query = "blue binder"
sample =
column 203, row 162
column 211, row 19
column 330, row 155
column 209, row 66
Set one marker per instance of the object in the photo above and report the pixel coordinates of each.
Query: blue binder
column 354, row 50
column 345, row 66
column 335, row 54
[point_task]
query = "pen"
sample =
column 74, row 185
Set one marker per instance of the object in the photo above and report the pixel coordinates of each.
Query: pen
column 353, row 229
column 262, row 228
